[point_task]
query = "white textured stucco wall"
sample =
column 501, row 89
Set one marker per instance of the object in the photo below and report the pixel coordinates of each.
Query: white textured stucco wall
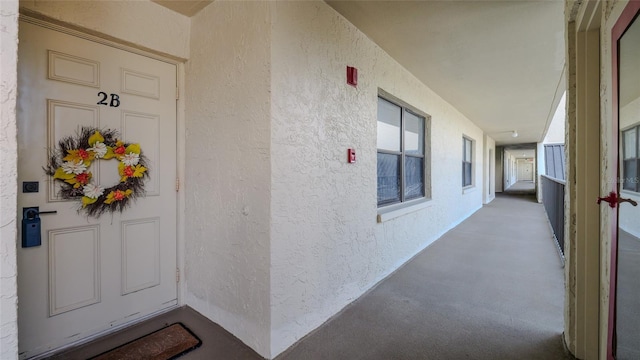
column 489, row 170
column 140, row 23
column 8, row 179
column 326, row 247
column 280, row 232
column 227, row 182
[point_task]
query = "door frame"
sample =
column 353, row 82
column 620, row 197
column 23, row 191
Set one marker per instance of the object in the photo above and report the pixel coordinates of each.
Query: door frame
column 628, row 15
column 70, row 29
column 583, row 309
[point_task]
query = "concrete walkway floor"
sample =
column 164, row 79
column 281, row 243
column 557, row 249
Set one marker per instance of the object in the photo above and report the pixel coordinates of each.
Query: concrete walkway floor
column 522, row 188
column 490, row 289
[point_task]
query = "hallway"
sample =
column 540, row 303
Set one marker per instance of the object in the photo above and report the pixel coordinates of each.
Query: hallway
column 522, row 187
column 491, row 288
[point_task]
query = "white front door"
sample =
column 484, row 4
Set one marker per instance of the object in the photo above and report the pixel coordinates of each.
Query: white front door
column 525, row 170
column 90, row 274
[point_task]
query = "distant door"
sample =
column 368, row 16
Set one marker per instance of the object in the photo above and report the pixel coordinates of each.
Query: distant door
column 90, row 275
column 525, row 170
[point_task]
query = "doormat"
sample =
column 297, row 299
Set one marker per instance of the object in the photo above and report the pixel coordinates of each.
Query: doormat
column 167, row 343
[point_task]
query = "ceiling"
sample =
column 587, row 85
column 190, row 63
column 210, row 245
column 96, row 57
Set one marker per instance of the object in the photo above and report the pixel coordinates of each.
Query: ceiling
column 498, row 62
column 184, row 7
column 522, row 153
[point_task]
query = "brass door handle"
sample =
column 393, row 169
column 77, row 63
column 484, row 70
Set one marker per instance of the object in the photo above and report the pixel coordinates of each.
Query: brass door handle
column 632, row 202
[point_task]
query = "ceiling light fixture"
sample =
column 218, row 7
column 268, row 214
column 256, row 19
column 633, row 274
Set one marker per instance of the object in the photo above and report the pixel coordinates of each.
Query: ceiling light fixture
column 514, row 133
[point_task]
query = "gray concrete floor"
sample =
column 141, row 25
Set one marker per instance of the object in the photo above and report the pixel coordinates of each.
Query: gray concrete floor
column 491, row 288
column 627, row 297
column 522, row 188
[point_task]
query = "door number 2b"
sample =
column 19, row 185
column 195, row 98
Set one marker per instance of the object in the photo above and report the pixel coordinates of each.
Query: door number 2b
column 115, row 99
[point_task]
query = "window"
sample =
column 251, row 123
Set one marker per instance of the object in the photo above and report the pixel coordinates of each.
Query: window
column 631, row 159
column 401, row 153
column 467, row 162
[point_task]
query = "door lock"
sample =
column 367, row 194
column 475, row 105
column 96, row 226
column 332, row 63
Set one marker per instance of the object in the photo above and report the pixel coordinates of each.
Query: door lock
column 31, row 232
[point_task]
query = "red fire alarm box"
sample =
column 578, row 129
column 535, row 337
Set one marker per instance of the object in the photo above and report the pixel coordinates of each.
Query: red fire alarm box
column 351, row 156
column 352, row 76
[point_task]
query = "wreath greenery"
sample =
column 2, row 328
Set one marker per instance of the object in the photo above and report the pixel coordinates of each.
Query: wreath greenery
column 69, row 165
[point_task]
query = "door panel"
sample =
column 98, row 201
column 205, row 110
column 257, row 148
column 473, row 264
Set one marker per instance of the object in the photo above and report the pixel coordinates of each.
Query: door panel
column 624, row 325
column 91, row 275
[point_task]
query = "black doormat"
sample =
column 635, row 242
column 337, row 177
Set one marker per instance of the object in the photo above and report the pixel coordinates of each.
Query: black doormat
column 167, row 343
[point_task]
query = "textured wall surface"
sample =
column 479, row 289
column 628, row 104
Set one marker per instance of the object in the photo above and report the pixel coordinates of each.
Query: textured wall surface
column 608, row 163
column 141, row 23
column 8, row 179
column 227, row 180
column 327, row 248
column 570, row 192
column 489, row 169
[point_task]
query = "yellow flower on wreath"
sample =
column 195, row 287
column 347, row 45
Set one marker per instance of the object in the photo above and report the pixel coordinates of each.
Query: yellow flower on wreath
column 72, row 168
column 117, row 195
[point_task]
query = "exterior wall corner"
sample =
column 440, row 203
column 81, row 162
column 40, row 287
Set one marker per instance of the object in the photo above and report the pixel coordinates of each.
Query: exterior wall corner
column 8, row 179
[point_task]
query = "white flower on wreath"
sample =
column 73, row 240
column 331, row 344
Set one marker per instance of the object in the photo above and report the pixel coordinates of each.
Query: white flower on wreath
column 100, row 149
column 74, row 167
column 131, row 159
column 93, row 191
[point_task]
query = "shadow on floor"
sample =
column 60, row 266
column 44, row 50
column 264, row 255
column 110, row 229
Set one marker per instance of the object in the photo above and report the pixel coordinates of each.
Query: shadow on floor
column 217, row 343
column 491, row 288
column 522, row 188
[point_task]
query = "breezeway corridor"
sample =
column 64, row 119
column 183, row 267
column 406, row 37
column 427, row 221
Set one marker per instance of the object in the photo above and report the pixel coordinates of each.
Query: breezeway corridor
column 491, row 288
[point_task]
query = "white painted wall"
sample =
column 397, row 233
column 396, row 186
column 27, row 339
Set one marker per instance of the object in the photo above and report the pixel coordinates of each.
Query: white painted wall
column 540, row 168
column 510, row 169
column 555, row 133
column 327, row 248
column 489, row 170
column 280, row 232
column 141, row 23
column 228, row 169
column 8, row 179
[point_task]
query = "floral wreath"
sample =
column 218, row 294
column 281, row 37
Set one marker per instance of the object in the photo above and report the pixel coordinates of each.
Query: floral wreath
column 69, row 164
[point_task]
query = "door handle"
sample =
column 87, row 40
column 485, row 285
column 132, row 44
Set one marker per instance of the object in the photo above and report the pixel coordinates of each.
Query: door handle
column 612, row 199
column 632, row 202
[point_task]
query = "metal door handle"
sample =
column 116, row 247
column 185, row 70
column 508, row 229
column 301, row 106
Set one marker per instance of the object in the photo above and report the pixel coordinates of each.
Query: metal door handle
column 632, row 202
column 612, row 199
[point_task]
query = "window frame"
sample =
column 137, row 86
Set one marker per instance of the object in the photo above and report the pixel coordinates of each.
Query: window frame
column 631, row 182
column 469, row 162
column 405, row 200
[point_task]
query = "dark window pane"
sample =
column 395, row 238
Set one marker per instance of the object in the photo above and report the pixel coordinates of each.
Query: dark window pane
column 630, row 175
column 388, row 178
column 466, row 174
column 414, row 177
